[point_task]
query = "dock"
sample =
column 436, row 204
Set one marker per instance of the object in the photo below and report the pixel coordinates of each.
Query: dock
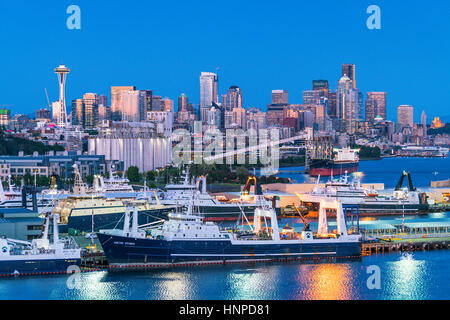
column 405, row 245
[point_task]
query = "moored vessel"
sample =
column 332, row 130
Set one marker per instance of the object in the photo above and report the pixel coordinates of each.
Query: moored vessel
column 345, row 160
column 187, row 238
column 39, row 256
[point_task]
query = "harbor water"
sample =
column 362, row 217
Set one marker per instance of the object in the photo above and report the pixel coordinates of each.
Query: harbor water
column 416, row 275
column 387, row 171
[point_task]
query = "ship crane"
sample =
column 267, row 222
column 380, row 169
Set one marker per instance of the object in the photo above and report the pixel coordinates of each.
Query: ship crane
column 400, row 183
column 305, row 222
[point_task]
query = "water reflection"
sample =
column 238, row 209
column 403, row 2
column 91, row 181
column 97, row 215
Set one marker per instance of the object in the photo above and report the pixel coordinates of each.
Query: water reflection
column 327, row 282
column 406, row 278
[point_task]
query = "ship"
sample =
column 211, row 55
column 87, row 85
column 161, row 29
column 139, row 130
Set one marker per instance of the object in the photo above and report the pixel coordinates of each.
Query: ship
column 186, row 239
column 214, row 208
column 345, row 160
column 86, row 207
column 40, row 256
column 368, row 201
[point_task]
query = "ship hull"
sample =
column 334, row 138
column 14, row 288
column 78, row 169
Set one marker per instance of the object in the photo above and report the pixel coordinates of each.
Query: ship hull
column 36, row 266
column 327, row 168
column 123, row 252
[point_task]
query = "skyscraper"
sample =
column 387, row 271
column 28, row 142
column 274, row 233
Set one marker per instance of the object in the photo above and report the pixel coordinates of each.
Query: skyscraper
column 280, row 97
column 350, row 71
column 233, row 98
column 90, row 102
column 322, row 87
column 133, row 105
column 405, row 116
column 116, row 101
column 209, row 93
column 375, row 106
column 347, row 105
column 183, row 103
column 311, row 97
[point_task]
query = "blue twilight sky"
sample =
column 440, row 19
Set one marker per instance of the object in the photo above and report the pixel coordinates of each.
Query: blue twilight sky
column 258, row 45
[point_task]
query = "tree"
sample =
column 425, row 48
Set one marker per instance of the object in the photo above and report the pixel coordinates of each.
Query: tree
column 242, row 173
column 133, row 174
column 150, row 177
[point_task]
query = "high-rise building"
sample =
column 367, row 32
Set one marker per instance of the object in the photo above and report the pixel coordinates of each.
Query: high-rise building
column 332, row 104
column 280, row 97
column 183, row 103
column 102, row 100
column 78, row 112
column 167, row 105
column 322, row 87
column 209, row 93
column 350, row 71
column 59, row 109
column 43, row 115
column 311, row 97
column 133, row 105
column 375, row 106
column 90, row 102
column 348, row 102
column 116, row 101
column 5, row 117
column 233, row 98
column 423, row 121
column 405, row 116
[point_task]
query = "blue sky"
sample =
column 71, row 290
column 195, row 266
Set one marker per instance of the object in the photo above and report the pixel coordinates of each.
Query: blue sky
column 258, row 45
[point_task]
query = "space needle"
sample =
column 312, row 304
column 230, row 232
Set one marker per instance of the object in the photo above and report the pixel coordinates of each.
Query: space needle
column 62, row 72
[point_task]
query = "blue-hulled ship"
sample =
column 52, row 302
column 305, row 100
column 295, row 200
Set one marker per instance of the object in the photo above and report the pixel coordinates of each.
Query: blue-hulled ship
column 39, row 256
column 187, row 238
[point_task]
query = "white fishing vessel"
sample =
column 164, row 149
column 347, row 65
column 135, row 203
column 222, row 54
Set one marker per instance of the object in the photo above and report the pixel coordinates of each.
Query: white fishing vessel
column 210, row 207
column 40, row 255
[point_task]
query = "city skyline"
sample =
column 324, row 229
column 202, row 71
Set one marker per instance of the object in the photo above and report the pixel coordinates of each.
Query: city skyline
column 257, row 67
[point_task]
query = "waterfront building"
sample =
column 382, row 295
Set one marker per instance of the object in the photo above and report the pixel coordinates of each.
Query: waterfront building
column 59, row 163
column 375, row 106
column 133, row 144
column 405, row 115
column 233, row 98
column 349, row 70
column 116, row 100
column 20, row 224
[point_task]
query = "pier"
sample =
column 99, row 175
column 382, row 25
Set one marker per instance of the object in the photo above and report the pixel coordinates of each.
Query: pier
column 405, row 245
